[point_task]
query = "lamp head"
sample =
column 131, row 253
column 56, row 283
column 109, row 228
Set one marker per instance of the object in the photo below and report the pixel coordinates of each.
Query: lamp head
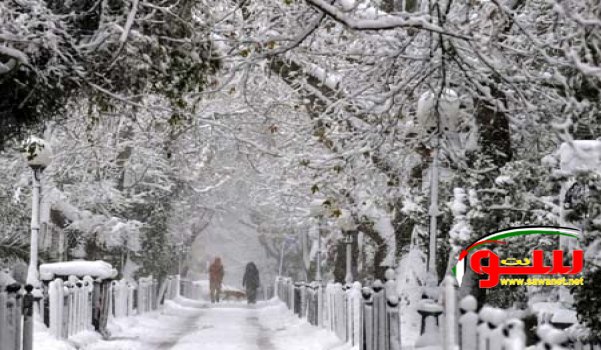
column 37, row 152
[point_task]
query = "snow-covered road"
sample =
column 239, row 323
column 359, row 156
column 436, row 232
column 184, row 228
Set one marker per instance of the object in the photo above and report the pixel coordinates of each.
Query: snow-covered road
column 233, row 326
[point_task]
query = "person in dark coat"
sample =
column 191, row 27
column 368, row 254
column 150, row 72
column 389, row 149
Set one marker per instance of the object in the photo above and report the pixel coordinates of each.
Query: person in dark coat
column 215, row 279
column 251, row 282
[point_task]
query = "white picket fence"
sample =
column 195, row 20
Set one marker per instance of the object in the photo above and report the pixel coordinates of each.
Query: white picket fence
column 368, row 317
column 171, row 288
column 492, row 328
column 147, row 294
column 192, row 290
column 70, row 306
column 72, row 303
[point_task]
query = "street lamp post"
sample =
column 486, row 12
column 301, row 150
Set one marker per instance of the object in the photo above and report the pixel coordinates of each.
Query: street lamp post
column 347, row 225
column 433, row 210
column 318, row 273
column 437, row 114
column 38, row 154
column 318, row 211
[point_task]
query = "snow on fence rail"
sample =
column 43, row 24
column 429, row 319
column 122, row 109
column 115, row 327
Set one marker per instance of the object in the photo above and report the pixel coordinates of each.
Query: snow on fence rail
column 368, row 317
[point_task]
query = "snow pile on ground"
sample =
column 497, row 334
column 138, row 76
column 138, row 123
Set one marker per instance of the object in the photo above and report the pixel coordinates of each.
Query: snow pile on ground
column 289, row 332
column 410, row 279
column 42, row 339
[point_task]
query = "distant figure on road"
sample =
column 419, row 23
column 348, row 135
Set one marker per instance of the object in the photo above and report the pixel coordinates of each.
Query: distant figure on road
column 215, row 279
column 251, row 282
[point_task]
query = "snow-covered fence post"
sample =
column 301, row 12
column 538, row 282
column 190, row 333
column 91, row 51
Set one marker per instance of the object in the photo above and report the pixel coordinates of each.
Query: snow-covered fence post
column 495, row 340
column 149, row 289
column 297, row 299
column 367, row 332
column 320, row 297
column 309, row 302
column 327, row 307
column 123, row 293
column 184, row 288
column 11, row 339
column 57, row 307
column 314, row 301
column 98, row 299
column 89, row 298
column 289, row 290
column 355, row 302
column 3, row 300
column 70, row 307
column 142, row 295
column 450, row 321
column 116, row 298
column 282, row 291
column 65, row 312
column 168, row 288
column 379, row 306
column 553, row 338
column 291, row 294
column 155, row 298
column 77, row 324
column 393, row 315
column 177, row 286
column 339, row 311
column 332, row 306
column 303, row 300
column 348, row 312
column 468, row 322
column 83, row 305
column 342, row 312
column 279, row 289
column 130, row 299
column 483, row 329
column 28, row 305
column 514, row 336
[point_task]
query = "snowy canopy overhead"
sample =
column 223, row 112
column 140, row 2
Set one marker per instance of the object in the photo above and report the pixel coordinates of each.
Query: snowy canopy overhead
column 97, row 269
column 580, row 155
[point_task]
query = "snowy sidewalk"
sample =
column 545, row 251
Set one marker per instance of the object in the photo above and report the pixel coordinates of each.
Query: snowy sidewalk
column 267, row 326
column 190, row 325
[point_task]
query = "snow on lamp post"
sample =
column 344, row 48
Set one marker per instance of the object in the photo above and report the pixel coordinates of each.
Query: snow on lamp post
column 38, row 154
column 347, row 224
column 318, row 211
column 436, row 113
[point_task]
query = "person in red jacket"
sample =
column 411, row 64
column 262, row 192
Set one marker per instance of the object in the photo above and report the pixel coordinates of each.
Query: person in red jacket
column 215, row 279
